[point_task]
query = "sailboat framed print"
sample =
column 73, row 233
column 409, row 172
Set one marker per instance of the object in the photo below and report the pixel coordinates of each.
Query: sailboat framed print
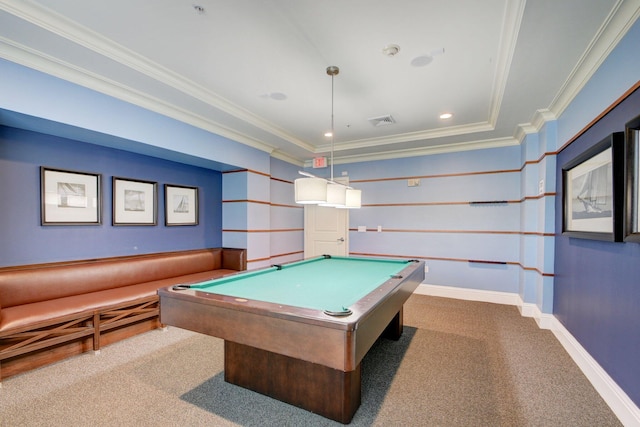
column 181, row 205
column 592, row 188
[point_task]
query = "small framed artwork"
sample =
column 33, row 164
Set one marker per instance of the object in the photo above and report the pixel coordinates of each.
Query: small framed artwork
column 593, row 196
column 134, row 202
column 70, row 197
column 632, row 186
column 181, row 205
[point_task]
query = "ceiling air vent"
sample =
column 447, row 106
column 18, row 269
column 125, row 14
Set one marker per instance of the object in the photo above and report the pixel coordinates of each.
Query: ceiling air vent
column 382, row 120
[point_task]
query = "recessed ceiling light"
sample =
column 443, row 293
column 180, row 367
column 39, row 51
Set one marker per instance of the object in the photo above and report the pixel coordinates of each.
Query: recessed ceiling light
column 328, row 134
column 445, row 116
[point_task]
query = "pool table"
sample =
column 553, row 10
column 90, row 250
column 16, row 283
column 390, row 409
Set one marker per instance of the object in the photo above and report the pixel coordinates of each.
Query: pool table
column 298, row 331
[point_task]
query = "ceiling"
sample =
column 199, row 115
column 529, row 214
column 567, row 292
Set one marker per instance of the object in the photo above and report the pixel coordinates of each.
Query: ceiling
column 255, row 70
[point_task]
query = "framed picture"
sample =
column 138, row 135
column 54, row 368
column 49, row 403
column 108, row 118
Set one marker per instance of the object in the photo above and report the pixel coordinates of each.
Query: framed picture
column 70, row 197
column 134, row 202
column 593, row 191
column 181, row 205
column 632, row 187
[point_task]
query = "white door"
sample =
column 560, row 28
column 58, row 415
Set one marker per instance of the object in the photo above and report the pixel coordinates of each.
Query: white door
column 326, row 231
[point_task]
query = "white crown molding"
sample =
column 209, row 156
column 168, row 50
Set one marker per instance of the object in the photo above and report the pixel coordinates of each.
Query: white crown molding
column 407, row 137
column 82, row 36
column 57, row 68
column 523, row 130
column 622, row 17
column 514, row 11
column 68, row 29
column 287, row 158
column 425, row 151
column 539, row 119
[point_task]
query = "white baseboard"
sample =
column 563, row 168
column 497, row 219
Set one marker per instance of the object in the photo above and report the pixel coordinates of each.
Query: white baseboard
column 467, row 294
column 621, row 405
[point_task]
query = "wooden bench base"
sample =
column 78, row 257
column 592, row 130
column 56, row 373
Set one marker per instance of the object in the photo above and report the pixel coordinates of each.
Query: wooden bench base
column 48, row 342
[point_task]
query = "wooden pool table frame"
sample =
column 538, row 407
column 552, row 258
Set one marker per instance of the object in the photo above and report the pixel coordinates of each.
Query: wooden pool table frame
column 297, row 355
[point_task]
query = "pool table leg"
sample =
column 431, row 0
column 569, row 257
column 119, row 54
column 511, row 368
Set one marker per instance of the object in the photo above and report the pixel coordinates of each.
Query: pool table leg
column 394, row 330
column 332, row 393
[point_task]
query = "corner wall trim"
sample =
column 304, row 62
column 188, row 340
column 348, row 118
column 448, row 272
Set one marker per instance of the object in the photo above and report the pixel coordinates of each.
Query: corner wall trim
column 621, row 405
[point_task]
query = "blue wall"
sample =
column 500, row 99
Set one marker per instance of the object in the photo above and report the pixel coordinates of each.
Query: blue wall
column 25, row 241
column 287, row 218
column 436, row 221
column 597, row 291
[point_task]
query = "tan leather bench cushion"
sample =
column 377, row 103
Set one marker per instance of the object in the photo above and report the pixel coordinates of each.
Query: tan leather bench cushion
column 19, row 287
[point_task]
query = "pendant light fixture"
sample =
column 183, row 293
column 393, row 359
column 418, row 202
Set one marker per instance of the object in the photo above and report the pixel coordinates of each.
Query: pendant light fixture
column 311, row 190
column 314, row 190
column 336, row 193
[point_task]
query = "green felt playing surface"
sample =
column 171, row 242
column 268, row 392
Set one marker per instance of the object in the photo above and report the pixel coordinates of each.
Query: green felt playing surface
column 318, row 283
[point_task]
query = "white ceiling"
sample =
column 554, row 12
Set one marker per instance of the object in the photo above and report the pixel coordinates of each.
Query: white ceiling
column 501, row 67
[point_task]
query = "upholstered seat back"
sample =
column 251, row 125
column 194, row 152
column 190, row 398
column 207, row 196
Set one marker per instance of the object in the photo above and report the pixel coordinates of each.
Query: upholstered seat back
column 31, row 284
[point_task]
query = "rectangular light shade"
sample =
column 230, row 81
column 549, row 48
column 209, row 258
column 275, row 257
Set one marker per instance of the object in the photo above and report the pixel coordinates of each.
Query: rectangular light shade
column 336, row 195
column 310, row 190
column 353, row 199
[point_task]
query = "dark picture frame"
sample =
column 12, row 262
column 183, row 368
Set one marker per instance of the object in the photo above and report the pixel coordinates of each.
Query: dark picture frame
column 593, row 192
column 70, row 197
column 632, row 186
column 135, row 202
column 181, row 205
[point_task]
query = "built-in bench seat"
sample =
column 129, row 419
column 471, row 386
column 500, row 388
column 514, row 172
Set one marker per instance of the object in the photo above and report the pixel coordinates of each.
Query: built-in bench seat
column 52, row 311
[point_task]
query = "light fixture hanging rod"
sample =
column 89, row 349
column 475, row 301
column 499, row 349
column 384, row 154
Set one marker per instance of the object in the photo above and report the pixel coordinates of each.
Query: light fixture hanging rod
column 310, row 175
column 333, row 71
column 314, row 190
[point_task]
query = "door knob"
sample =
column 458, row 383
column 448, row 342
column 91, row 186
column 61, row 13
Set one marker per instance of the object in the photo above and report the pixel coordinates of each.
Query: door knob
column 341, row 239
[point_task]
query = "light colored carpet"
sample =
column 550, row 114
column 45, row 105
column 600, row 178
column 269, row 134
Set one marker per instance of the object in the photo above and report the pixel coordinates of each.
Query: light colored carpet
column 458, row 363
